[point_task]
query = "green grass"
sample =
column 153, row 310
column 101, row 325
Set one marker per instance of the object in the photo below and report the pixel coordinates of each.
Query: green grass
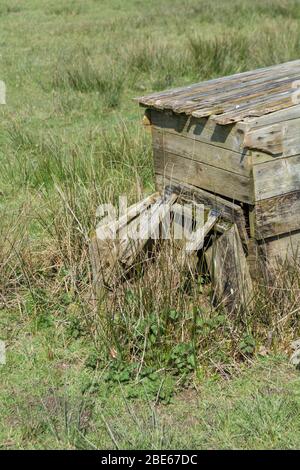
column 153, row 354
column 50, row 400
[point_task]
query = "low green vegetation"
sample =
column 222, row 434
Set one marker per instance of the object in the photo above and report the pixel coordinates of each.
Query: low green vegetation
column 152, row 364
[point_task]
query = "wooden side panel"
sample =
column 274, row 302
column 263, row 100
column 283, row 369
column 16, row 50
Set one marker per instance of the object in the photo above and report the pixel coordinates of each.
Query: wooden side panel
column 285, row 248
column 280, row 116
column 278, row 215
column 229, row 271
column 255, row 260
column 270, row 139
column 250, row 139
column 277, row 192
column 202, row 152
column 203, row 129
column 215, row 180
column 276, row 177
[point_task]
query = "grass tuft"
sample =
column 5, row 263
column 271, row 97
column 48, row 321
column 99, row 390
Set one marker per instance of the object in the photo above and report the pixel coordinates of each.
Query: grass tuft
column 77, row 72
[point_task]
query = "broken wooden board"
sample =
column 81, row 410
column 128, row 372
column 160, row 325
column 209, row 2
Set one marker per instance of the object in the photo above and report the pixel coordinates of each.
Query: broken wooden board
column 229, row 211
column 106, row 230
column 111, row 241
column 148, row 225
column 229, row 271
column 116, row 245
column 194, row 242
column 276, row 215
column 197, row 240
column 281, row 249
column 104, row 269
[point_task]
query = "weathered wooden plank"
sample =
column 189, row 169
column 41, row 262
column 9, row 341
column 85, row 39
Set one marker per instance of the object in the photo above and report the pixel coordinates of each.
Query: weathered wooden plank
column 102, row 262
column 234, row 105
column 148, row 225
column 281, row 138
column 192, row 238
column 188, row 216
column 235, row 137
column 281, row 249
column 202, row 129
column 109, row 229
column 123, row 240
column 229, row 211
column 213, row 179
column 256, row 260
column 229, row 271
column 278, row 215
column 269, row 139
column 241, row 93
column 276, row 177
column 202, row 152
column 282, row 115
column 197, row 241
column 256, row 107
column 224, row 83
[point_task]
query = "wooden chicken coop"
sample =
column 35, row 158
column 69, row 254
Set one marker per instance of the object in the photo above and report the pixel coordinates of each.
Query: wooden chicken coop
column 233, row 145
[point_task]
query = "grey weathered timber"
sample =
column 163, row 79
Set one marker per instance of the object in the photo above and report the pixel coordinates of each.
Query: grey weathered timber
column 276, row 177
column 214, row 179
column 197, row 240
column 110, row 229
column 235, row 97
column 216, row 156
column 202, row 130
column 229, row 211
column 229, row 271
column 277, row 215
column 236, row 138
column 281, row 249
column 116, row 245
column 148, row 224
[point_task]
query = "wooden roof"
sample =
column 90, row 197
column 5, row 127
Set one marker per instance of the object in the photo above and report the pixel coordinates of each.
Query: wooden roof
column 231, row 99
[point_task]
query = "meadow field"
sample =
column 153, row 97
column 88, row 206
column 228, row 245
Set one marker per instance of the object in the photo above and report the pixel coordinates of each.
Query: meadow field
column 153, row 365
